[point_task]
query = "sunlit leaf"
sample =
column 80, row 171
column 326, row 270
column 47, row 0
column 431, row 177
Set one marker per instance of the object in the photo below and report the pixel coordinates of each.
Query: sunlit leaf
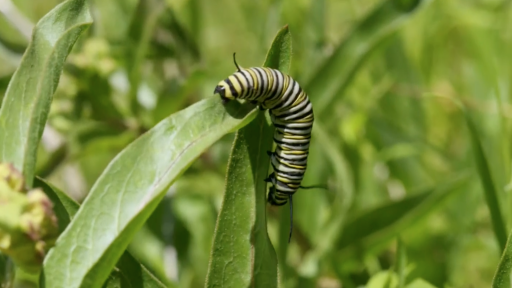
column 127, row 271
column 27, row 101
column 131, row 187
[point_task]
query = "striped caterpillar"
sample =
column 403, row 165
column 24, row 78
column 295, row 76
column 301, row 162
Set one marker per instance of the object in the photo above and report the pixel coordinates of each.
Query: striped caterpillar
column 292, row 116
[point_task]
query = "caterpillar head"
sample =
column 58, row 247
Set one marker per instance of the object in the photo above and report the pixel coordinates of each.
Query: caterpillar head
column 225, row 87
column 223, row 90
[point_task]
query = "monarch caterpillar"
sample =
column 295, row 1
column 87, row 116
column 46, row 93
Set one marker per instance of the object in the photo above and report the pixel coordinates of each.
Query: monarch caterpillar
column 292, row 116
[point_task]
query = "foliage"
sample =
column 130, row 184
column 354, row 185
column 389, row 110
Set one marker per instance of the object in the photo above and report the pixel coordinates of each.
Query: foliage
column 108, row 109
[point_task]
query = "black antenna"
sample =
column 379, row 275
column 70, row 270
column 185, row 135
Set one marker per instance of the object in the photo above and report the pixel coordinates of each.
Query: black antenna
column 236, row 64
column 291, row 218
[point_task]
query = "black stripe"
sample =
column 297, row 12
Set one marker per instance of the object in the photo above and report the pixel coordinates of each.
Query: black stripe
column 239, row 83
column 293, row 95
column 291, row 144
column 297, row 117
column 275, row 91
column 249, row 86
column 284, row 173
column 260, row 84
column 232, row 88
column 287, row 162
column 254, row 86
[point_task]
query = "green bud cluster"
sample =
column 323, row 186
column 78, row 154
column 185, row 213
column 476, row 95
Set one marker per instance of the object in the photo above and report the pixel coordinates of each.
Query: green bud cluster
column 28, row 225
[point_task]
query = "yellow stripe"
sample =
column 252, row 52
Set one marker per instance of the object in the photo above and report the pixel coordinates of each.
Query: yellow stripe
column 237, row 86
column 297, row 137
column 299, row 99
column 291, row 165
column 295, row 152
column 288, row 181
column 254, row 80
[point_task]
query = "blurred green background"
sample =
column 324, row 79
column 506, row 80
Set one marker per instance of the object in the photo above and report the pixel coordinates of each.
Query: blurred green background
column 392, row 145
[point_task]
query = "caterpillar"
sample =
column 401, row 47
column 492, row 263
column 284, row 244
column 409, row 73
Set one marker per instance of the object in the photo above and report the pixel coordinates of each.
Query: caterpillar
column 292, row 115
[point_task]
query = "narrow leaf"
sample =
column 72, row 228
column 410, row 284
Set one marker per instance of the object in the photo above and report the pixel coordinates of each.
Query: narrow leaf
column 401, row 262
column 502, row 276
column 130, row 188
column 65, row 207
column 242, row 254
column 6, row 272
column 130, row 273
column 490, row 191
column 29, row 94
column 337, row 71
column 386, row 222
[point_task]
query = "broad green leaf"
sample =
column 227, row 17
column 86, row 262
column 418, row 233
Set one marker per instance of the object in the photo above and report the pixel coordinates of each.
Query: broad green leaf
column 337, row 71
column 27, row 101
column 130, row 188
column 490, row 191
column 242, row 254
column 280, row 54
column 382, row 223
column 127, row 271
column 502, row 276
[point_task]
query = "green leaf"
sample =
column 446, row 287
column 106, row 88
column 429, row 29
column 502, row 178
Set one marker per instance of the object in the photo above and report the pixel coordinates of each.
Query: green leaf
column 502, row 276
column 337, row 71
column 27, row 101
column 490, row 191
column 382, row 223
column 401, row 262
column 6, row 272
column 280, row 54
column 130, row 188
column 242, row 254
column 128, row 271
column 65, row 207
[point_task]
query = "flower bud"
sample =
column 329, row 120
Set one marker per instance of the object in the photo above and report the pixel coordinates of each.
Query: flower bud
column 28, row 225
